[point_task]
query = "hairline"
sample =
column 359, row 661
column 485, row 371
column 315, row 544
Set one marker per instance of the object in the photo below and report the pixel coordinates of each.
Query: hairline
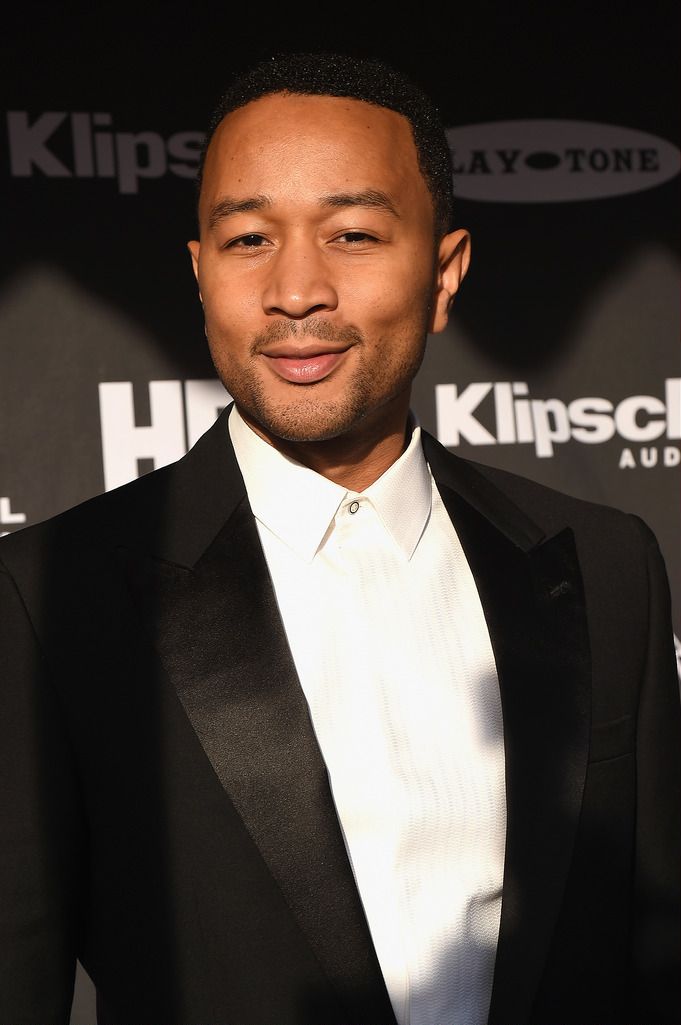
column 439, row 229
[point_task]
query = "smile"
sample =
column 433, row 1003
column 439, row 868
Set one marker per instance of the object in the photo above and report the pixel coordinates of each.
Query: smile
column 304, row 369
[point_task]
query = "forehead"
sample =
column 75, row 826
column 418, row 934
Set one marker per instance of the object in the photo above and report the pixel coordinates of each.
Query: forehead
column 285, row 143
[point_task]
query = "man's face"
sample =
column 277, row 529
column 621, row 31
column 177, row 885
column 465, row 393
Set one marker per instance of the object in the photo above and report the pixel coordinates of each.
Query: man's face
column 318, row 267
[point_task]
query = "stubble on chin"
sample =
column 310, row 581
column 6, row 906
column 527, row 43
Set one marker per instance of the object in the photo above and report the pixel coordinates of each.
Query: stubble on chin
column 309, row 415
column 306, row 419
column 312, row 412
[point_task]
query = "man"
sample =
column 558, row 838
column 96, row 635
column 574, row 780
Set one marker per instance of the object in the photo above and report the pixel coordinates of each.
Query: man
column 323, row 724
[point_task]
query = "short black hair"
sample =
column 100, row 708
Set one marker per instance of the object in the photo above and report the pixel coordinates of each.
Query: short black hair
column 323, row 74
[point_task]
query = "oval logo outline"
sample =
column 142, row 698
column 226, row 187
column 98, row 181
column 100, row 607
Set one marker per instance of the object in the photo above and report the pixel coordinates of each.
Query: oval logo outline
column 556, row 161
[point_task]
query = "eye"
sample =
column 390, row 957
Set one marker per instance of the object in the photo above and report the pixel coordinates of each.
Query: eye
column 252, row 241
column 355, row 237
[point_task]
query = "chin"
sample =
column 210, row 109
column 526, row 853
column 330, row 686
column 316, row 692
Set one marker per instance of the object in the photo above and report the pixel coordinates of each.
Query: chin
column 305, row 422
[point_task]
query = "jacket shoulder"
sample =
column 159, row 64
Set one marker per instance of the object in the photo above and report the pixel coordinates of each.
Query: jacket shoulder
column 190, row 498
column 611, row 543
column 92, row 521
column 550, row 508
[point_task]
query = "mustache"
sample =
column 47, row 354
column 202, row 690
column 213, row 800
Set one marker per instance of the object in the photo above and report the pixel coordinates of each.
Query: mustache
column 314, row 327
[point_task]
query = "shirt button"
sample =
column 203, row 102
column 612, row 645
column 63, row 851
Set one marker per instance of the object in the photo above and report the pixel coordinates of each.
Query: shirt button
column 354, row 506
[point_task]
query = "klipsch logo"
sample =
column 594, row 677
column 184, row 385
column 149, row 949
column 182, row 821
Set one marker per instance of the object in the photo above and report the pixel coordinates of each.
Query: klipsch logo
column 556, row 161
column 57, row 144
column 502, row 413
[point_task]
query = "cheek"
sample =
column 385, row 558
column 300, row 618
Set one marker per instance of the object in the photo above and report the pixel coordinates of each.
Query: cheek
column 403, row 293
column 402, row 311
column 230, row 309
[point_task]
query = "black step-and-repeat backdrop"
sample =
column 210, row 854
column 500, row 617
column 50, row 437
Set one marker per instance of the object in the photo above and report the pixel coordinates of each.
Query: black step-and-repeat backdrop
column 562, row 359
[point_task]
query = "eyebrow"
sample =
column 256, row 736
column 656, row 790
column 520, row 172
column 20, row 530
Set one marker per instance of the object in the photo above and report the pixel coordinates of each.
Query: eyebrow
column 370, row 198
column 227, row 206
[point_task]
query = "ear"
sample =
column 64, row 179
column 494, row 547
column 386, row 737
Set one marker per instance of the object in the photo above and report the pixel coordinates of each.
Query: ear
column 194, row 249
column 453, row 258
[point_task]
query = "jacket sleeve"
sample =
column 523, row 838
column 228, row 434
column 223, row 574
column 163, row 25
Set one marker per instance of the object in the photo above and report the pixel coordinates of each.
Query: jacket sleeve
column 658, row 856
column 41, row 833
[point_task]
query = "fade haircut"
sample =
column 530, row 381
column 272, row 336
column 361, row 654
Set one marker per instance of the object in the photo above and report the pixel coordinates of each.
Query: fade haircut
column 319, row 74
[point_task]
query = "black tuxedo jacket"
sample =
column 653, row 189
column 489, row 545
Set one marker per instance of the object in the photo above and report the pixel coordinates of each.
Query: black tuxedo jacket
column 166, row 813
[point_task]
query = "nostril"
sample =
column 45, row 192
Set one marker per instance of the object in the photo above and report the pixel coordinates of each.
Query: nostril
column 296, row 292
column 293, row 314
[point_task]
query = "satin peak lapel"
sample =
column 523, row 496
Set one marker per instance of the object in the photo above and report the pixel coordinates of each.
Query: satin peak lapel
column 220, row 637
column 531, row 592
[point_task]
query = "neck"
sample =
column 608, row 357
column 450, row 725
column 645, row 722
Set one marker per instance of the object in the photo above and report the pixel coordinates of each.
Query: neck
column 354, row 460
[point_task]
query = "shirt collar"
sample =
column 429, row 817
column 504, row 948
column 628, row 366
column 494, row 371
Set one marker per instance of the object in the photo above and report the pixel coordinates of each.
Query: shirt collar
column 298, row 505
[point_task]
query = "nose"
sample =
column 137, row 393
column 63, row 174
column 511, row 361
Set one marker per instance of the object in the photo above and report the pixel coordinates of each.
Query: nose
column 299, row 283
